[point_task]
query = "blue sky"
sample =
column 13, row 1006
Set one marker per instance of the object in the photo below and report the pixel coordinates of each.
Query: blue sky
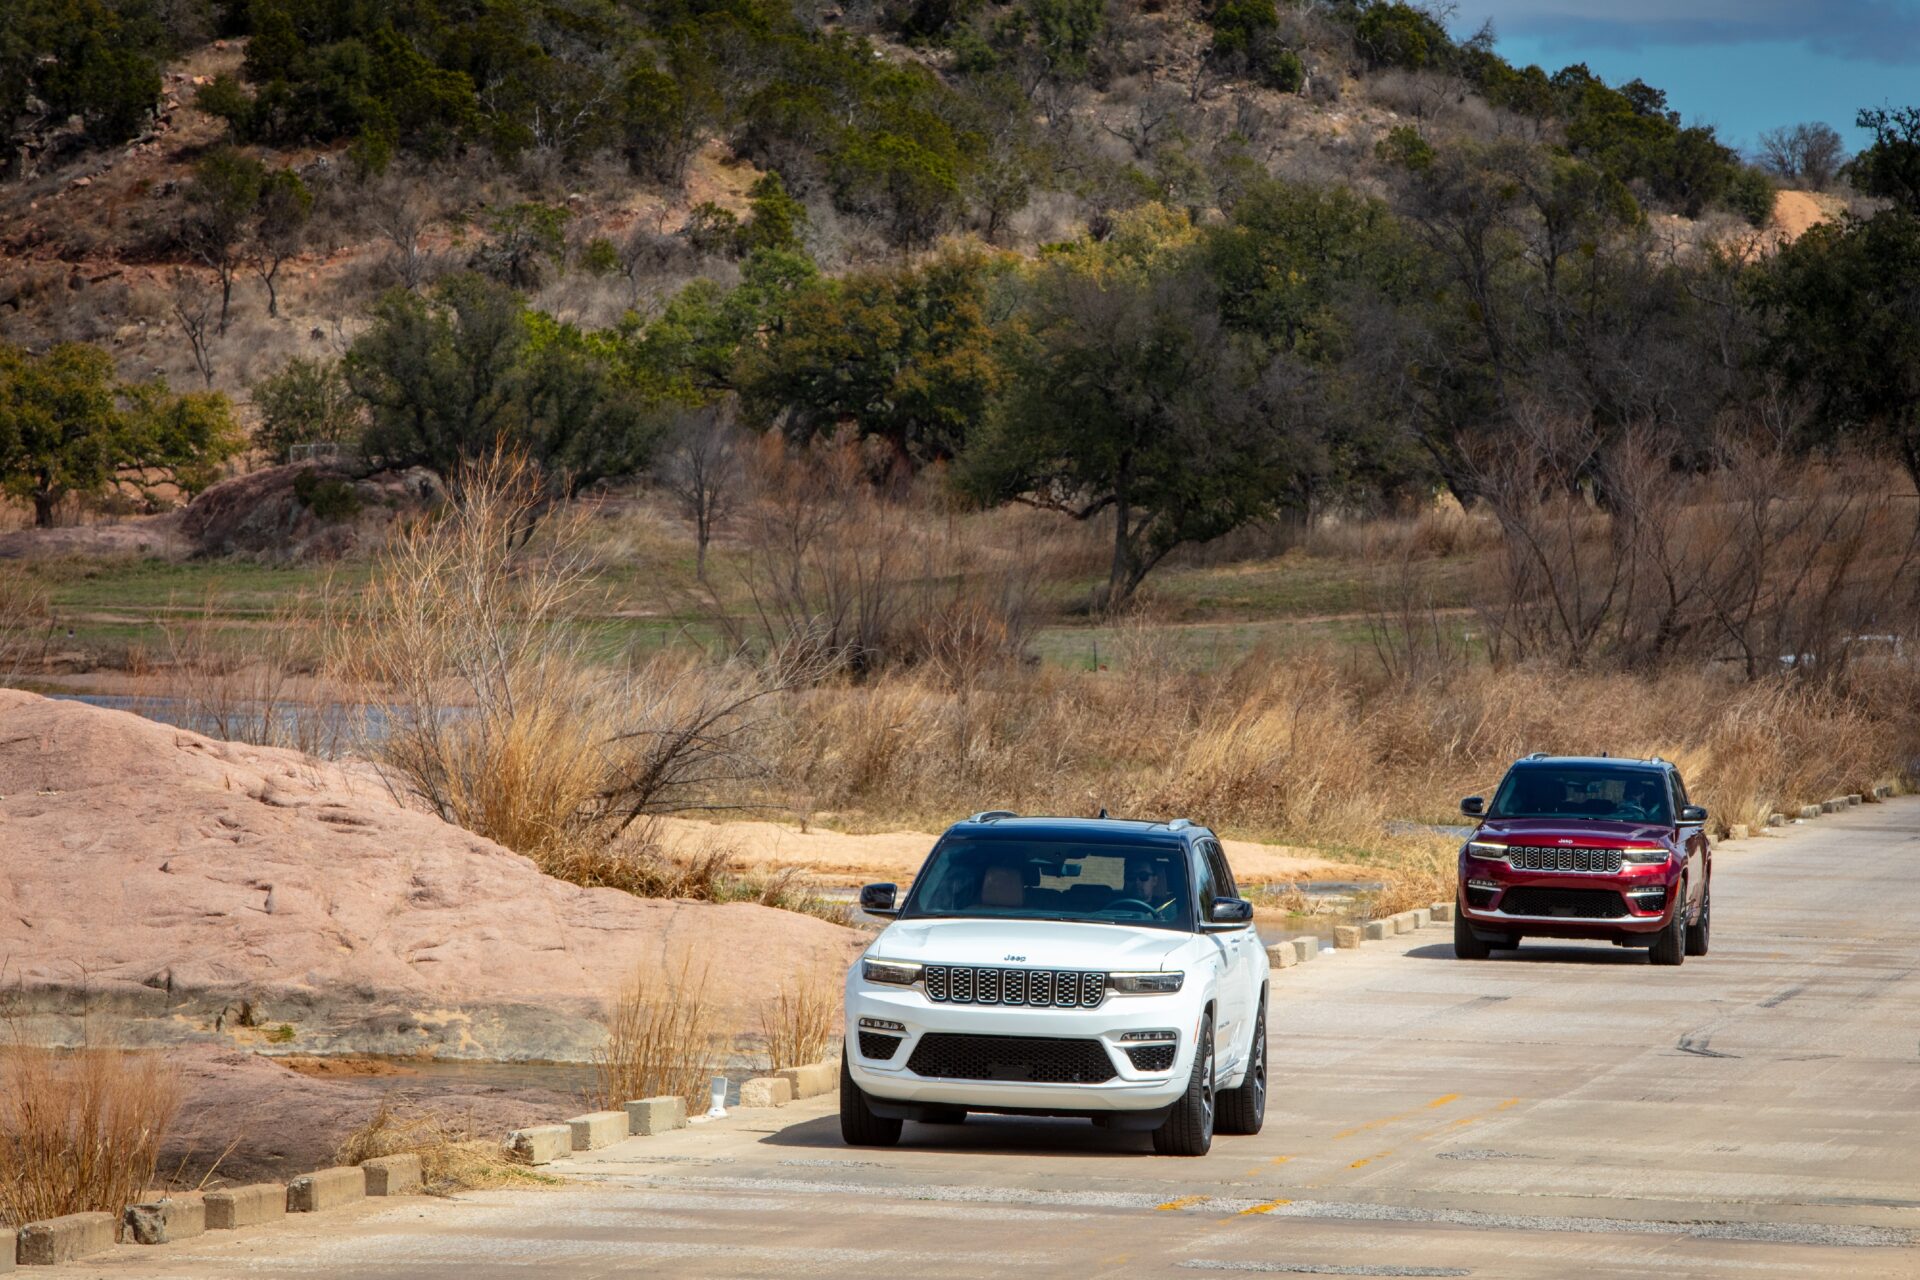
column 1740, row 65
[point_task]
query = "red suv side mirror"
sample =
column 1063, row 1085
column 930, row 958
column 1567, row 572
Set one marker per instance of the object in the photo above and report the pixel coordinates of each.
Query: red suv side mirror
column 1473, row 806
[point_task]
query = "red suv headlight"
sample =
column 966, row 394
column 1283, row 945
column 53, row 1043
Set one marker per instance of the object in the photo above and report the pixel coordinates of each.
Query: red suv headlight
column 1644, row 854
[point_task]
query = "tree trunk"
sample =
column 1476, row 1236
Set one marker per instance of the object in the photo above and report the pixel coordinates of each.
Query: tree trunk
column 42, row 510
column 1117, row 574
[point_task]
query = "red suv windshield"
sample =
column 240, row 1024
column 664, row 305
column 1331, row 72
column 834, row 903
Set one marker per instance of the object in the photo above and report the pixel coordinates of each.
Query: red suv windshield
column 1605, row 793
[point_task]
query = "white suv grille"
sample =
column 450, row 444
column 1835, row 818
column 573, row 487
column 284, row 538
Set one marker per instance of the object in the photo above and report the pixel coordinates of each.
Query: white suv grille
column 1052, row 988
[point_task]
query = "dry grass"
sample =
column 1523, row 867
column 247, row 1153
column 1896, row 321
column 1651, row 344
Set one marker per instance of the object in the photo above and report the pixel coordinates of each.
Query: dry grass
column 26, row 625
column 799, row 1022
column 1310, row 750
column 452, row 1156
column 663, row 1038
column 250, row 687
column 1418, row 877
column 80, row 1129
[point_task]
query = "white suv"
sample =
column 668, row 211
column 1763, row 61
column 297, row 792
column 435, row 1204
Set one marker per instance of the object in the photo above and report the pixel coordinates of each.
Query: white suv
column 1061, row 967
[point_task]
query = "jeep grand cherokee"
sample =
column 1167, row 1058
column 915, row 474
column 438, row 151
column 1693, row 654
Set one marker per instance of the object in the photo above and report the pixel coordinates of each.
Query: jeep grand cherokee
column 1096, row 968
column 1585, row 847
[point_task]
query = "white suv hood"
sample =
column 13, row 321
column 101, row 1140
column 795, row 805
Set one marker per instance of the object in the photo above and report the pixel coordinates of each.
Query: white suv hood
column 1041, row 944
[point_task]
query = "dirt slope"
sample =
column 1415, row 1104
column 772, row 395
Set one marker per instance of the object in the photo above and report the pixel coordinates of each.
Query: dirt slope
column 176, row 889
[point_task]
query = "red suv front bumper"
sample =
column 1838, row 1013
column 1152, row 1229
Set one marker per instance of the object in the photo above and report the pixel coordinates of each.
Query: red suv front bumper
column 1631, row 904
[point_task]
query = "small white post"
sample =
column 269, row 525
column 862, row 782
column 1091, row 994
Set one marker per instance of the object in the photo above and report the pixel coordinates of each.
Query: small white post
column 719, row 1107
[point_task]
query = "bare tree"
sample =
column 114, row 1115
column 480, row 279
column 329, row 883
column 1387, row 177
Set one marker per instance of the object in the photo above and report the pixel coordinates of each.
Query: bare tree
column 194, row 308
column 1805, row 154
column 400, row 211
column 703, row 468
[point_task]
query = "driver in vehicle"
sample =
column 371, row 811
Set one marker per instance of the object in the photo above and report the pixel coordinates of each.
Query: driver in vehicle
column 1145, row 883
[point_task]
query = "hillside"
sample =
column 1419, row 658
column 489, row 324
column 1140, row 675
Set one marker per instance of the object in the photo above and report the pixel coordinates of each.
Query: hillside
column 1150, row 103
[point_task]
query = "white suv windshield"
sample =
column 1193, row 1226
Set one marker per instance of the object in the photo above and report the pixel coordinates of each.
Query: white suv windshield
column 1103, row 882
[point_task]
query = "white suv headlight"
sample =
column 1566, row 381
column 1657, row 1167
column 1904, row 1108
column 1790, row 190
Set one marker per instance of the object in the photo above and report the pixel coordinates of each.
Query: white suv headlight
column 1145, row 984
column 897, row 973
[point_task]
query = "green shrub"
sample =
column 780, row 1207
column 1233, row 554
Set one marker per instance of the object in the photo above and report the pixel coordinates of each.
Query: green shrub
column 330, row 498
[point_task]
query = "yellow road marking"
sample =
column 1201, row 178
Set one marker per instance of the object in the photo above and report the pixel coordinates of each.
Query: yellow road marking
column 1441, row 1101
column 1378, row 1155
column 1268, row 1207
column 1183, row 1202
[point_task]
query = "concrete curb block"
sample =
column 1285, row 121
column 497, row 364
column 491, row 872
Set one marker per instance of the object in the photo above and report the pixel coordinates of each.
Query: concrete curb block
column 1281, row 955
column 1883, row 792
column 326, row 1189
column 1346, row 937
column 66, row 1239
column 598, row 1129
column 1443, row 913
column 813, row 1079
column 1378, row 930
column 1811, row 810
column 541, row 1143
column 1854, row 798
column 1402, row 922
column 766, row 1091
column 233, row 1207
column 1306, row 947
column 1422, row 917
column 165, row 1218
column 648, row 1116
column 9, row 1245
column 1738, row 831
column 1776, row 819
column 392, row 1175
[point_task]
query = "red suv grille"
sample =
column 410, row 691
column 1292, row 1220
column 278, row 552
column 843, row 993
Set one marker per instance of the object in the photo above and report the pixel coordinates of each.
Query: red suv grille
column 1577, row 904
column 1531, row 857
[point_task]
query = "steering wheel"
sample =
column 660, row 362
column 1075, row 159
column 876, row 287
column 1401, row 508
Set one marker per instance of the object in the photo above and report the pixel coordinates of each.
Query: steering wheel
column 1135, row 904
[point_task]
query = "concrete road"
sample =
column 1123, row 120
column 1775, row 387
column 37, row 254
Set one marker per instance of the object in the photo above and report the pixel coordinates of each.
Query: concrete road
column 1567, row 1111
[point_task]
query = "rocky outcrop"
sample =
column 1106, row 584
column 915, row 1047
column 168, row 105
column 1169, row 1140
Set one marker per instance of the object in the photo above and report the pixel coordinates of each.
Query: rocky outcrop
column 160, row 887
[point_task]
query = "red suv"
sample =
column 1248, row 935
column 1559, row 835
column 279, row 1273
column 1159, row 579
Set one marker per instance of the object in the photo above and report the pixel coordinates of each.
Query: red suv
column 1584, row 847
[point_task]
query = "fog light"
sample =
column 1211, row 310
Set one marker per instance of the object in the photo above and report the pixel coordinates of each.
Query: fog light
column 881, row 1024
column 1156, row 1037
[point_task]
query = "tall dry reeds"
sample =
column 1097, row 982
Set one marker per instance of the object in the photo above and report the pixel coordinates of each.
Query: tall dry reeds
column 26, row 623
column 798, row 1022
column 246, row 682
column 663, row 1037
column 80, row 1129
column 494, row 709
column 1314, row 750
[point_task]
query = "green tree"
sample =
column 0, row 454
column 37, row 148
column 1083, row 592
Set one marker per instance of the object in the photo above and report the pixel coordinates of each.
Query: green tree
column 775, row 219
column 1842, row 304
column 439, row 374
column 904, row 355
column 306, row 402
column 449, row 377
column 1890, row 166
column 222, row 200
column 1129, row 398
column 284, row 209
column 69, row 427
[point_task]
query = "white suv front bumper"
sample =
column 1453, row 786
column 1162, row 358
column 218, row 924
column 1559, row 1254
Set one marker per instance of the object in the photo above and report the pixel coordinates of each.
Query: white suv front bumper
column 1130, row 1089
